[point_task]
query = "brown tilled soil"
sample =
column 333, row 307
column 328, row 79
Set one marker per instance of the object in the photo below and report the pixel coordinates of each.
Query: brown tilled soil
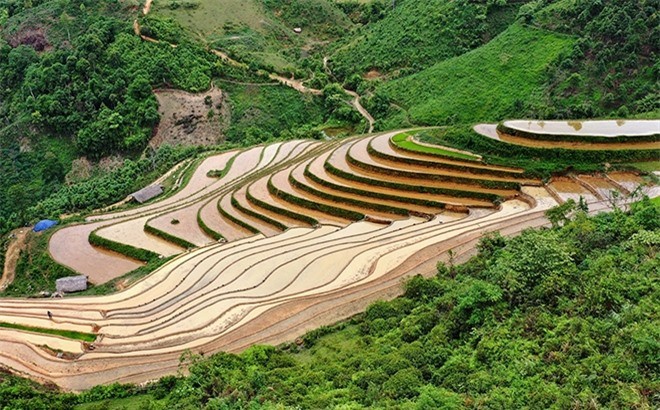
column 191, row 119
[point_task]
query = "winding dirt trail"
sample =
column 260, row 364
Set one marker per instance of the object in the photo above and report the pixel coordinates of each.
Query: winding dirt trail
column 14, row 249
column 289, row 82
column 358, row 106
column 147, row 7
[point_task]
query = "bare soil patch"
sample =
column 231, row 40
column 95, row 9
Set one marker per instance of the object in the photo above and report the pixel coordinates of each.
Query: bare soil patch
column 191, row 119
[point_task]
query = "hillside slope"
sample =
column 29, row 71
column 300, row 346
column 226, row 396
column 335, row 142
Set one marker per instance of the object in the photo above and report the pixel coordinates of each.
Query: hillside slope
column 489, row 83
column 416, row 34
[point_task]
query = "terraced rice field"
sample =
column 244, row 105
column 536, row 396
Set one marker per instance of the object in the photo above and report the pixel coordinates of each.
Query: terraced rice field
column 606, row 128
column 313, row 232
column 577, row 135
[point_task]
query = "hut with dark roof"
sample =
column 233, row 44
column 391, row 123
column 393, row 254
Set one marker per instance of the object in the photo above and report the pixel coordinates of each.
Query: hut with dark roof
column 147, row 193
column 71, row 284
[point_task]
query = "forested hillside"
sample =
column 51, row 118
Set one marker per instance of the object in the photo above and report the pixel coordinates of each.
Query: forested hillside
column 76, row 81
column 586, row 59
column 416, row 34
column 555, row 318
column 78, row 85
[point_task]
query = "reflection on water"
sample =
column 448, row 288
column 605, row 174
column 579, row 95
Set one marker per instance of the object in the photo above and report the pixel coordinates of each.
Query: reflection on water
column 604, row 128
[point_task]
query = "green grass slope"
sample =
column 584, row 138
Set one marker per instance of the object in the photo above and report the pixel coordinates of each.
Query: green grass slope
column 486, row 84
column 416, row 34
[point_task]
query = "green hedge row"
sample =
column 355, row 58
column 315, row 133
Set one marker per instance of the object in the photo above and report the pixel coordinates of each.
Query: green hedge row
column 576, row 138
column 264, row 218
column 210, row 232
column 330, row 210
column 352, row 201
column 414, row 188
column 282, row 211
column 377, row 195
column 443, row 165
column 127, row 250
column 236, row 220
column 168, row 237
column 440, row 178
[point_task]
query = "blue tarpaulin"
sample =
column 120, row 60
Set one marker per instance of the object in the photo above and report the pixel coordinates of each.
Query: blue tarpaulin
column 43, row 225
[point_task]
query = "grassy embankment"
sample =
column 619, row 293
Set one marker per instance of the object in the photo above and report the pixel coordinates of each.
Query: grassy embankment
column 403, row 140
column 69, row 334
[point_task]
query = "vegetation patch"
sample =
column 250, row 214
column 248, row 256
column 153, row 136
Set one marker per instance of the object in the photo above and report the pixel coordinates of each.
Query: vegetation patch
column 36, row 271
column 69, row 334
column 404, row 141
column 122, row 248
column 486, row 84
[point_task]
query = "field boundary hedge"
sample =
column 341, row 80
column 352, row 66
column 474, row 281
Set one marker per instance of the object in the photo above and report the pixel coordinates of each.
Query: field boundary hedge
column 168, row 237
column 210, row 232
column 237, row 221
column 330, row 210
column 257, row 215
column 140, row 254
column 429, row 164
column 417, row 188
column 433, row 177
column 376, row 195
column 351, row 201
column 282, row 211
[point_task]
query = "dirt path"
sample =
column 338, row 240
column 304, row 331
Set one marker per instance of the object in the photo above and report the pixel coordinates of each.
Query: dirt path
column 147, row 7
column 289, row 82
column 12, row 255
column 358, row 106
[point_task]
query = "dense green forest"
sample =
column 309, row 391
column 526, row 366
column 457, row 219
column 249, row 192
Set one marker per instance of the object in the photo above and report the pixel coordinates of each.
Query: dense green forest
column 555, row 318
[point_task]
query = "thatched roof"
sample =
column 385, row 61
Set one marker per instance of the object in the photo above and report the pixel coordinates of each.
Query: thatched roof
column 147, row 193
column 71, row 284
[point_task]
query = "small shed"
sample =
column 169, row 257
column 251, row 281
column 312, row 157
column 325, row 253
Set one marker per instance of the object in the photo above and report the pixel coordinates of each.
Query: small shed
column 71, row 284
column 147, row 193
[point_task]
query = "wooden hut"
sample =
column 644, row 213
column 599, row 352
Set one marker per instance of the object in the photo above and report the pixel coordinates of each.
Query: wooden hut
column 147, row 193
